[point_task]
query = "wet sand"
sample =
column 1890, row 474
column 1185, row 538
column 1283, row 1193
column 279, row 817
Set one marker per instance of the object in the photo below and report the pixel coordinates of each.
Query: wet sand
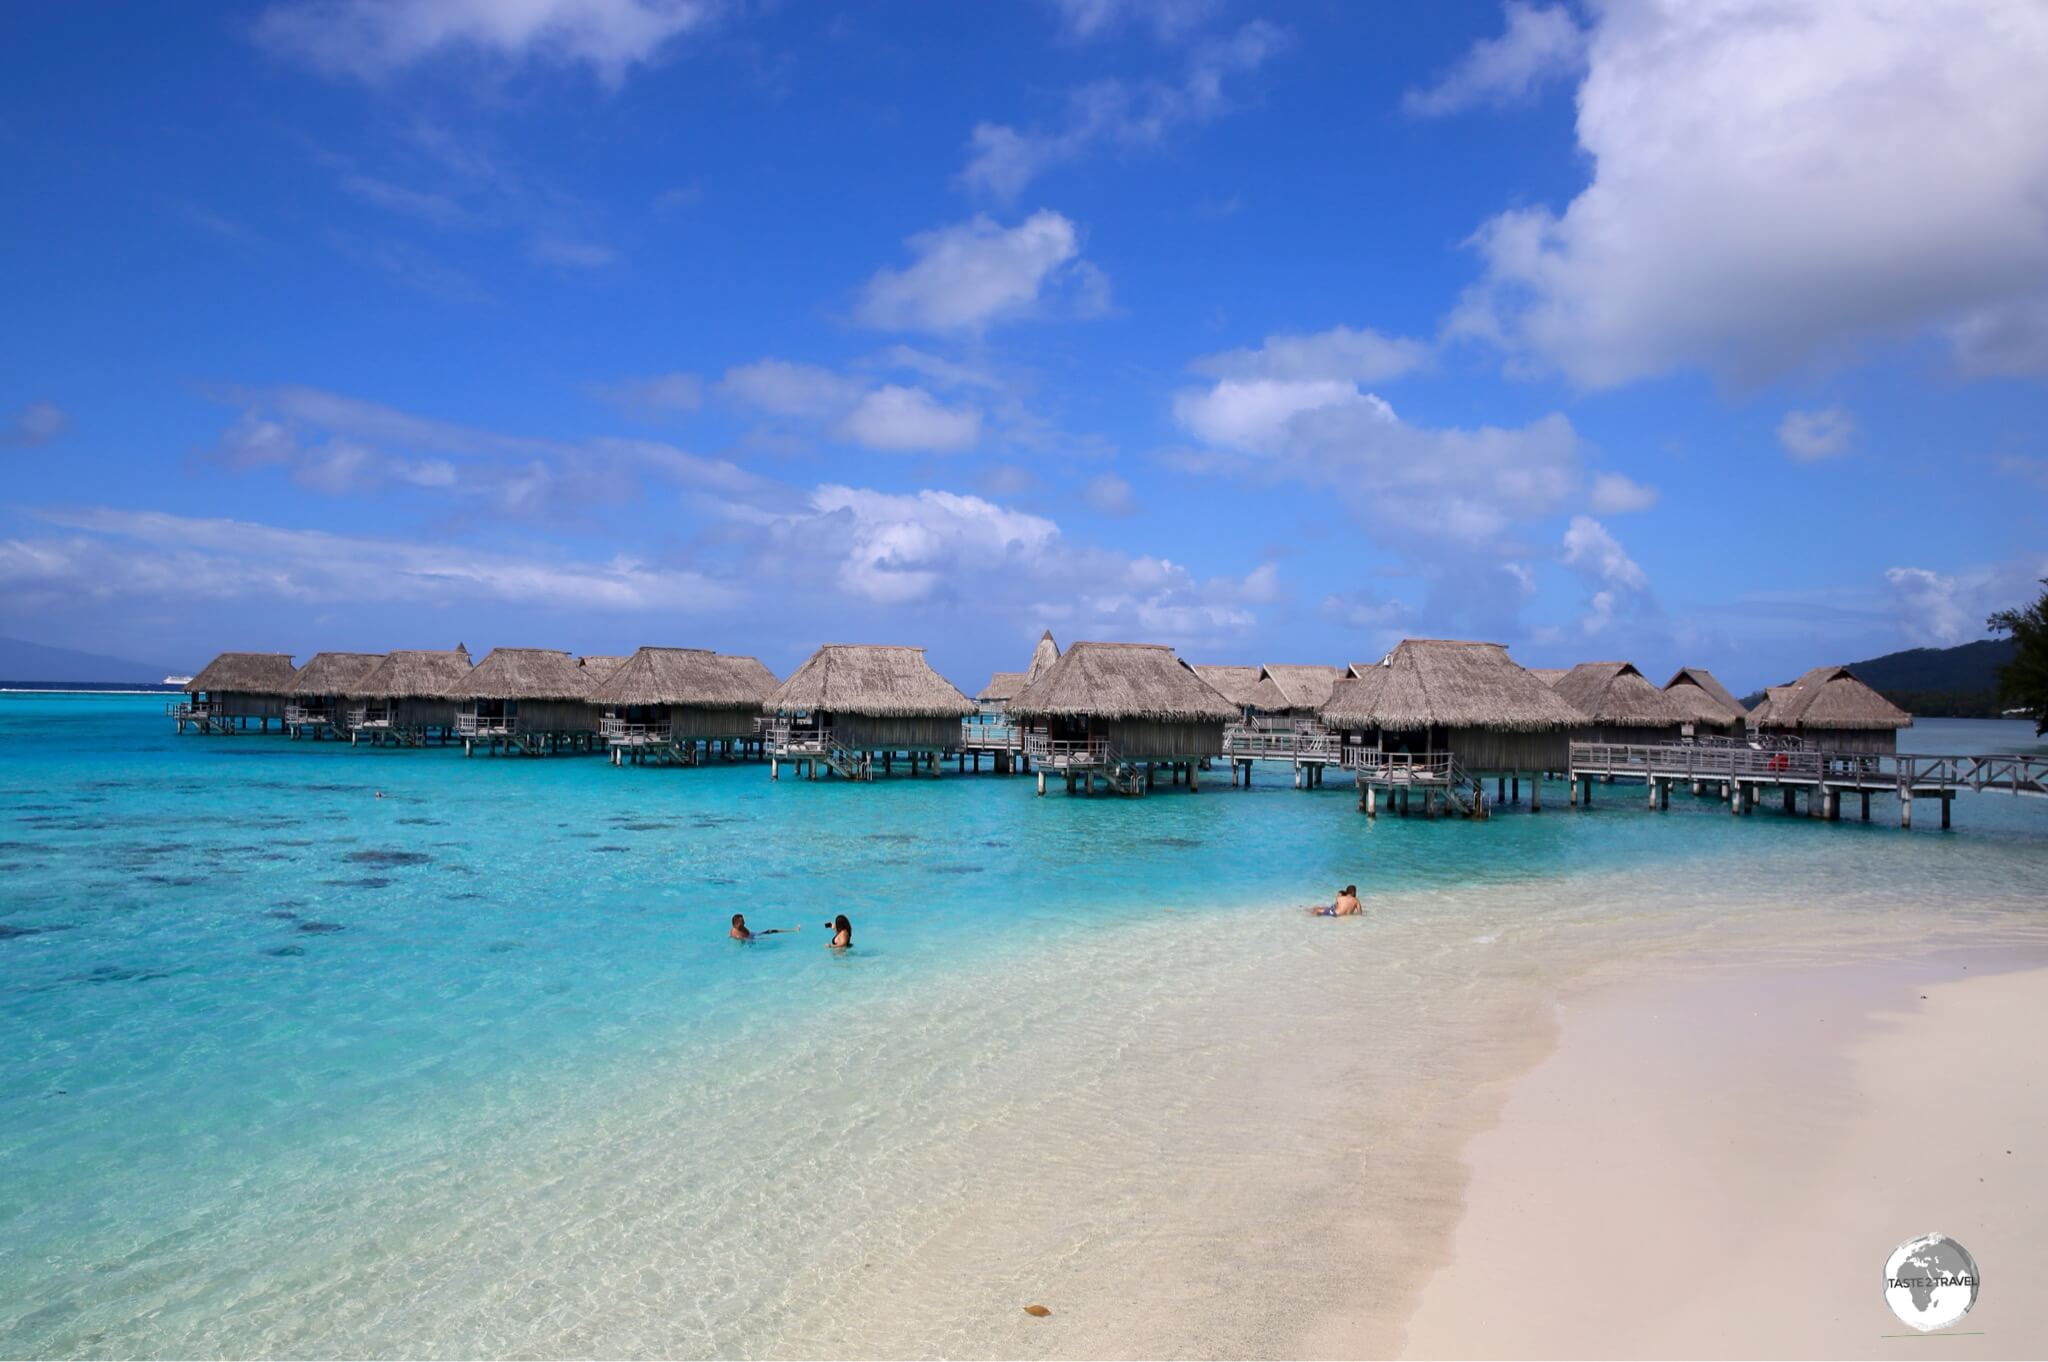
column 1718, row 1157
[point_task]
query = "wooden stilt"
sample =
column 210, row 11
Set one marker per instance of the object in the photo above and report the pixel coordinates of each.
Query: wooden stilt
column 1905, row 808
column 1945, row 799
column 1866, row 806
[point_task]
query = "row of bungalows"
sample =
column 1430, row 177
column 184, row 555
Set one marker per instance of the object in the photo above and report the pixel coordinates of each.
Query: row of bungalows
column 317, row 703
column 1710, row 708
column 1440, row 713
column 1621, row 705
column 1118, row 712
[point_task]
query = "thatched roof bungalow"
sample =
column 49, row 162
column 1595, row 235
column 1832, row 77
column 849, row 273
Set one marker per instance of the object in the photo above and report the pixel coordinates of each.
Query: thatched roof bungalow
column 752, row 673
column 1621, row 705
column 1549, row 676
column 318, row 693
column 1830, row 708
column 873, row 698
column 243, row 686
column 598, row 667
column 407, row 693
column 1002, row 687
column 531, row 693
column 687, row 693
column 1139, row 698
column 1450, row 696
column 1709, row 705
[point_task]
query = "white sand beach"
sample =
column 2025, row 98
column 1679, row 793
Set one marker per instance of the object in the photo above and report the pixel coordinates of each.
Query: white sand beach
column 1716, row 1161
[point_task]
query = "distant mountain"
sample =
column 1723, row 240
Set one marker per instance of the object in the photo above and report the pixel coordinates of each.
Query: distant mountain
column 1938, row 683
column 24, row 661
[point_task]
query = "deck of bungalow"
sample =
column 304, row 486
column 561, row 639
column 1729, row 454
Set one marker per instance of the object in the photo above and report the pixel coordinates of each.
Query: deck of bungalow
column 855, row 710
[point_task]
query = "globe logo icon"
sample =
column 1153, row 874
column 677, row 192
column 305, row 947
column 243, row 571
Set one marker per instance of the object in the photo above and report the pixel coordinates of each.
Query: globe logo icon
column 1930, row 1282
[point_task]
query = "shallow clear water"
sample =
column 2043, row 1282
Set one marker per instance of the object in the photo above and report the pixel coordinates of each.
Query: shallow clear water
column 287, row 1067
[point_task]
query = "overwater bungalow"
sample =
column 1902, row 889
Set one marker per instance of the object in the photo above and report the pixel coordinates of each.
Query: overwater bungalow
column 674, row 706
column 531, row 701
column 1290, row 694
column 752, row 673
column 1830, row 709
column 1436, row 714
column 1002, row 687
column 1712, row 709
column 598, row 668
column 1118, row 711
column 1622, row 705
column 233, row 689
column 857, row 707
column 403, row 701
column 317, row 705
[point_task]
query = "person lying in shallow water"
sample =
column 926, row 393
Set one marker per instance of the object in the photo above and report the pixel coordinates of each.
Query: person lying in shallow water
column 1346, row 905
column 739, row 930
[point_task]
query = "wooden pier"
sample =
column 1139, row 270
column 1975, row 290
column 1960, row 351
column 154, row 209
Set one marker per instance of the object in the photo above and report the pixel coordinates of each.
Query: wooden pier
column 1742, row 774
column 1308, row 747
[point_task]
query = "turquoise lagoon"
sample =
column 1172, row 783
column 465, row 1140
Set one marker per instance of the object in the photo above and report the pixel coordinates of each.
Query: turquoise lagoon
column 287, row 1067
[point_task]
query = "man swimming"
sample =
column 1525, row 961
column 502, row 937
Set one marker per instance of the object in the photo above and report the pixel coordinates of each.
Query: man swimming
column 739, row 930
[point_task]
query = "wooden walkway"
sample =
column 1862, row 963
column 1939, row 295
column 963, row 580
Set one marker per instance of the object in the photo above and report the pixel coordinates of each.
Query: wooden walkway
column 1742, row 774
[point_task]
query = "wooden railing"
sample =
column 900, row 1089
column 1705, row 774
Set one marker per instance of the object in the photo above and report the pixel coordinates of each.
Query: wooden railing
column 1401, row 768
column 1066, row 754
column 619, row 733
column 1296, row 742
column 2011, row 773
column 991, row 737
column 477, row 726
column 785, row 739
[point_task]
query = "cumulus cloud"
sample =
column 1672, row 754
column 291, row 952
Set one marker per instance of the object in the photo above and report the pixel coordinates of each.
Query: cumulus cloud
column 1617, row 580
column 1117, row 113
column 36, row 423
column 1339, row 354
column 973, row 274
column 910, row 419
column 1822, row 434
column 374, row 39
column 1617, row 494
column 1930, row 608
column 150, row 554
column 1775, row 182
column 1539, row 45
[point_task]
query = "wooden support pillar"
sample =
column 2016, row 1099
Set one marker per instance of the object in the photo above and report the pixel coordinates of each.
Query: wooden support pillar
column 1500, row 789
column 1150, row 767
column 1832, row 806
column 1905, row 808
column 1652, row 783
column 1195, row 784
column 1573, row 797
column 1791, row 800
column 1371, row 802
column 1041, row 783
column 1536, row 792
column 1866, row 806
column 1946, row 797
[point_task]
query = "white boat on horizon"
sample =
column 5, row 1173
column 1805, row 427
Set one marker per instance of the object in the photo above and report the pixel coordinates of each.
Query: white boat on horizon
column 176, row 681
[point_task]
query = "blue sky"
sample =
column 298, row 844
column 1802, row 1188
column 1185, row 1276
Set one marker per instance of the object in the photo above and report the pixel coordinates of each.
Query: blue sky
column 1693, row 332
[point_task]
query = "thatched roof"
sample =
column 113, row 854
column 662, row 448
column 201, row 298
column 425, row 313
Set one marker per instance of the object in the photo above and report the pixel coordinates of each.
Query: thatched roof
column 677, row 676
column 251, row 673
column 333, row 673
column 1549, row 676
column 412, row 674
column 1704, row 699
column 1832, row 697
column 598, row 668
column 1042, row 657
column 1235, row 684
column 524, row 674
column 1293, row 685
column 1123, row 681
column 1774, row 698
column 1616, row 693
column 1447, row 683
column 1003, row 685
column 752, row 672
column 876, row 680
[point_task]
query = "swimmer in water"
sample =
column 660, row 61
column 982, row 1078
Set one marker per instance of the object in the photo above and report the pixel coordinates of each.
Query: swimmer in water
column 1347, row 904
column 739, row 930
column 842, row 933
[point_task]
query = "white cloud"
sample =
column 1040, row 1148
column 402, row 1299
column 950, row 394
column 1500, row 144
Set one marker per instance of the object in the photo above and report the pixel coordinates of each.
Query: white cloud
column 1168, row 19
column 1340, row 353
column 1539, row 45
column 1253, row 413
column 373, row 39
column 1110, row 494
column 154, row 554
column 1596, row 553
column 656, row 395
column 783, row 388
column 1777, row 181
column 970, row 275
column 1617, row 494
column 36, row 423
column 910, row 419
column 895, row 548
column 1118, row 113
column 1822, row 434
column 1930, row 608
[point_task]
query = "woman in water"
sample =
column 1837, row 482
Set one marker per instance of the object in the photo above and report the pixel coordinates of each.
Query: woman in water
column 842, row 933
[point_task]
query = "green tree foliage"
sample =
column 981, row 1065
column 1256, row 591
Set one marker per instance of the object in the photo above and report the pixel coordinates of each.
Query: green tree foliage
column 2024, row 680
